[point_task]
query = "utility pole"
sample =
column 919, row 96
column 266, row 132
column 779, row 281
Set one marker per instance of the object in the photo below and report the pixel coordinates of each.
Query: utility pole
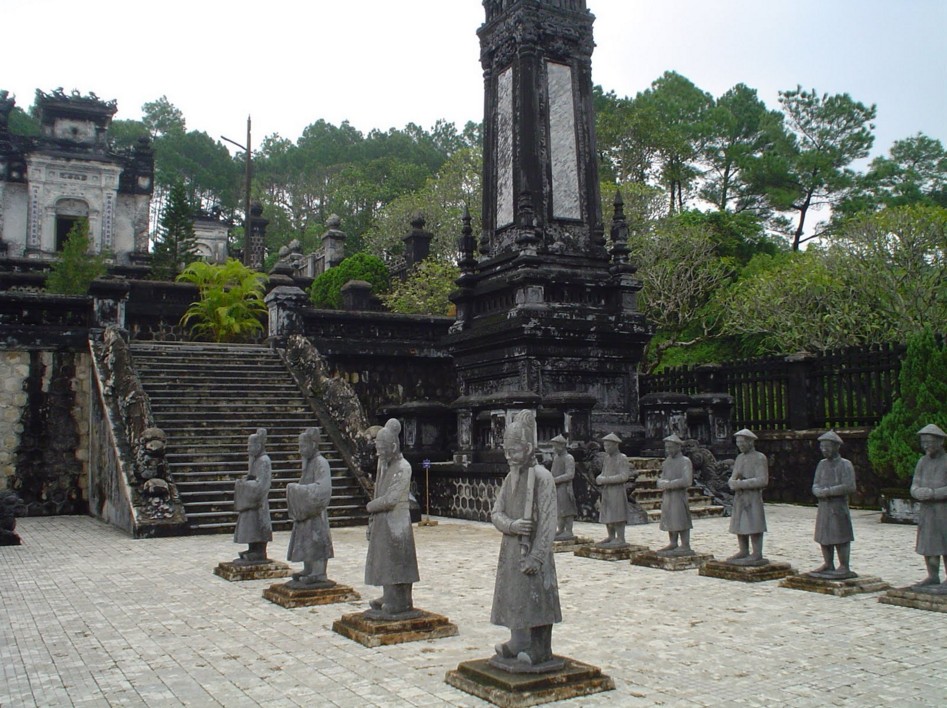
column 248, row 176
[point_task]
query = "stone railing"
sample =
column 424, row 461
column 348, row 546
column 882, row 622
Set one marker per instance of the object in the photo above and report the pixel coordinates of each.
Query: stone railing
column 131, row 486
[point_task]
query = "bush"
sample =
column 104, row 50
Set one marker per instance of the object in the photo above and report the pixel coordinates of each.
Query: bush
column 231, row 300
column 326, row 290
column 426, row 291
column 74, row 271
column 893, row 445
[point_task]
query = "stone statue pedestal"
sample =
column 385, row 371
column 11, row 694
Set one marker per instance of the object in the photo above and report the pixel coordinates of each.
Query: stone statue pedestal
column 609, row 553
column 571, row 544
column 379, row 632
column 295, row 595
column 918, row 599
column 266, row 570
column 482, row 679
column 841, row 587
column 763, row 570
column 670, row 561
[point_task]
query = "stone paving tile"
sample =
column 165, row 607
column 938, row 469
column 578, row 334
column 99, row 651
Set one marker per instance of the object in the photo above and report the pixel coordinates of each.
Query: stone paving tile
column 89, row 617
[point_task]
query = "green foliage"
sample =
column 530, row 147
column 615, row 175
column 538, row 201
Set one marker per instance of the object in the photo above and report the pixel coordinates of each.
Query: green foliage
column 124, row 134
column 326, row 290
column 175, row 244
column 75, row 269
column 22, row 123
column 426, row 290
column 893, row 443
column 231, row 300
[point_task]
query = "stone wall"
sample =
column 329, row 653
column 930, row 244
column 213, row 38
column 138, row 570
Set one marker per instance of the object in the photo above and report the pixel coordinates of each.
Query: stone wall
column 14, row 369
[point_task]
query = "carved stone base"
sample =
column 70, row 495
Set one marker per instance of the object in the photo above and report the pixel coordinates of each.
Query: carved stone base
column 512, row 690
column 653, row 559
column 840, row 588
column 571, row 544
column 376, row 633
column 919, row 600
column 286, row 596
column 266, row 570
column 746, row 573
column 609, row 553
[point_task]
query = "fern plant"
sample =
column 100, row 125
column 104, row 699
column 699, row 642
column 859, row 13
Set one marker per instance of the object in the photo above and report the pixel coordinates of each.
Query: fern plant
column 231, row 300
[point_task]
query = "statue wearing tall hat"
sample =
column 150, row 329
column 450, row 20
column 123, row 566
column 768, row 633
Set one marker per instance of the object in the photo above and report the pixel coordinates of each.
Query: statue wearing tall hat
column 677, row 475
column 748, row 480
column 563, row 473
column 834, row 481
column 613, row 510
column 929, row 487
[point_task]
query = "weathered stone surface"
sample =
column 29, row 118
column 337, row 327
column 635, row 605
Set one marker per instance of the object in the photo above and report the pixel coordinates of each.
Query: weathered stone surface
column 909, row 597
column 840, row 588
column 512, row 690
column 609, row 554
column 652, row 559
column 229, row 570
column 572, row 544
column 286, row 596
column 746, row 573
column 375, row 633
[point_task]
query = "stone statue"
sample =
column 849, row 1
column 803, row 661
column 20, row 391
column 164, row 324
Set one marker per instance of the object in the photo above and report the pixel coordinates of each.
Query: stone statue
column 929, row 487
column 392, row 560
column 526, row 595
column 616, row 473
column 834, row 481
column 563, row 472
column 306, row 502
column 677, row 476
column 748, row 480
column 10, row 507
column 251, row 500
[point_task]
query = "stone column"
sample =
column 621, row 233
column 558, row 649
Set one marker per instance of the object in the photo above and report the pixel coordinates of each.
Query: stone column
column 286, row 304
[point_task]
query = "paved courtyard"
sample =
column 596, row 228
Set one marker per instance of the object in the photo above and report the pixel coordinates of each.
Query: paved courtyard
column 89, row 617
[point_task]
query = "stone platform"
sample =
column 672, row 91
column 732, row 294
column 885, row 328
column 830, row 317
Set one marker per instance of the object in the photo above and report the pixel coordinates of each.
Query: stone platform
column 512, row 690
column 746, row 573
column 571, row 544
column 286, row 596
column 909, row 597
column 229, row 570
column 840, row 588
column 376, row 633
column 652, row 559
column 609, row 554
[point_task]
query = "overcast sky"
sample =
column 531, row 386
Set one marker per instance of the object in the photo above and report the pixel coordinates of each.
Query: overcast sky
column 384, row 63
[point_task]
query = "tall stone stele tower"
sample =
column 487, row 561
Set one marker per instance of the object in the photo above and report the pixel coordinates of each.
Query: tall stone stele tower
column 546, row 308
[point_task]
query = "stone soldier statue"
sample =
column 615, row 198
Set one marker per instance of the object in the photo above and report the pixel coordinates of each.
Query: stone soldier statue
column 307, row 502
column 526, row 595
column 251, row 500
column 677, row 476
column 613, row 512
column 392, row 560
column 563, row 472
column 748, row 480
column 834, row 481
column 929, row 487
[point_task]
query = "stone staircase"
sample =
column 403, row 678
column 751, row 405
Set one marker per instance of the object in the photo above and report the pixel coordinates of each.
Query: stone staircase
column 208, row 398
column 648, row 495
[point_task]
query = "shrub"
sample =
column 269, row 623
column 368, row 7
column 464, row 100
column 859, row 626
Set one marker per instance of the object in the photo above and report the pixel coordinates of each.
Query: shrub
column 74, row 271
column 326, row 290
column 426, row 291
column 231, row 300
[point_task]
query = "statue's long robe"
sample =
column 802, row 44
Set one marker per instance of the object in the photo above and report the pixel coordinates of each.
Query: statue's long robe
column 748, row 480
column 931, row 472
column 392, row 558
column 251, row 500
column 563, row 472
column 616, row 473
column 678, row 472
column 307, row 502
column 833, row 520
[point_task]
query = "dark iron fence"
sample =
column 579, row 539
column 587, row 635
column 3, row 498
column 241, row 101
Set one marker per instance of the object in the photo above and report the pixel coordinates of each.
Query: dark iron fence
column 844, row 388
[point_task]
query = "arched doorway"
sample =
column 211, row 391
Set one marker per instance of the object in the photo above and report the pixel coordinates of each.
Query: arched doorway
column 68, row 213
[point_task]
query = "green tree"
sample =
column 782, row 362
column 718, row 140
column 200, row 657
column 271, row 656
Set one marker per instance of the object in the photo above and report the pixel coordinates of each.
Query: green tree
column 175, row 245
column 230, row 306
column 326, row 290
column 161, row 117
column 75, row 269
column 893, row 443
column 426, row 290
column 124, row 134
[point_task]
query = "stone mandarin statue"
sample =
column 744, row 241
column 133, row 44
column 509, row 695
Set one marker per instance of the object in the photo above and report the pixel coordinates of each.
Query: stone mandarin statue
column 748, row 480
column 677, row 476
column 526, row 595
column 563, row 472
column 251, row 500
column 929, row 487
column 834, row 481
column 616, row 473
column 392, row 560
column 307, row 502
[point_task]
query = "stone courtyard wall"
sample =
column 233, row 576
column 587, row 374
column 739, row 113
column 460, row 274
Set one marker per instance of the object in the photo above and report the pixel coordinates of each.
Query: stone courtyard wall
column 14, row 369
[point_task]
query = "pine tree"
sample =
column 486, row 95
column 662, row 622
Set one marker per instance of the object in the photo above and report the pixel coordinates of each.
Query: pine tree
column 894, row 444
column 74, row 271
column 176, row 244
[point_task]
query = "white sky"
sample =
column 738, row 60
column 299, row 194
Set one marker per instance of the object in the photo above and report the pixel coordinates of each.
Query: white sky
column 382, row 63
